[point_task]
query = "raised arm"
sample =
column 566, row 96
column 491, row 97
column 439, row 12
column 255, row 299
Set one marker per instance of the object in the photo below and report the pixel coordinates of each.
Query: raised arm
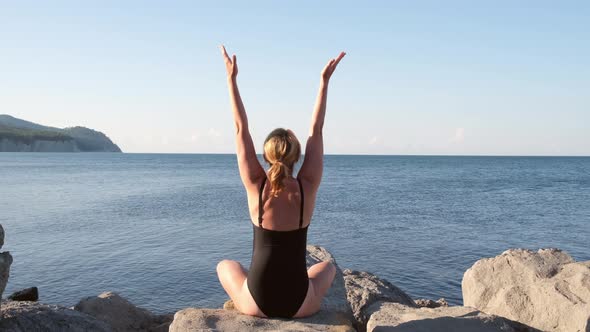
column 312, row 167
column 251, row 171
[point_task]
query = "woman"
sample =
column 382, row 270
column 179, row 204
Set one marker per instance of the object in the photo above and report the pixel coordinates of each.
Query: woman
column 278, row 284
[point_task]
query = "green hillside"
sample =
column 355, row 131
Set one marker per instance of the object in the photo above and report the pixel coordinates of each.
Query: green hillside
column 18, row 131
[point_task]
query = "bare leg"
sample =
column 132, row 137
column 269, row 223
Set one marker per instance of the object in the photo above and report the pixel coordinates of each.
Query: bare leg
column 232, row 276
column 233, row 279
column 321, row 276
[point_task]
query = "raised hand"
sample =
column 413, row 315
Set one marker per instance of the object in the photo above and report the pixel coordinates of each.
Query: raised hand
column 331, row 66
column 231, row 65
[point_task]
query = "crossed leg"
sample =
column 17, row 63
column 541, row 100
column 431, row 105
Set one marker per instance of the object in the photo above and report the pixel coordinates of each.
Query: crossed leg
column 320, row 276
column 233, row 279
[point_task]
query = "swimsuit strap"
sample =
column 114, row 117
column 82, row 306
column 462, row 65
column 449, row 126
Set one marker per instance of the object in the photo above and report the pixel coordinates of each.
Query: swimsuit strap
column 260, row 206
column 300, row 209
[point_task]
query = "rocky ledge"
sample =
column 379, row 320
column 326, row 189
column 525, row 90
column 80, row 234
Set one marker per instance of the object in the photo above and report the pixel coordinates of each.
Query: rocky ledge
column 5, row 262
column 546, row 289
column 511, row 292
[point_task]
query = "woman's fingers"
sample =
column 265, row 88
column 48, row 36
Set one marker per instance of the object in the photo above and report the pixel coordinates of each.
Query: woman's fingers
column 224, row 53
column 331, row 66
column 230, row 63
column 340, row 56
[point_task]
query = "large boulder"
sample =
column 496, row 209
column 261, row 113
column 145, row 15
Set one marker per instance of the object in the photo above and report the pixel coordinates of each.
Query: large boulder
column 334, row 315
column 19, row 316
column 121, row 314
column 395, row 317
column 544, row 289
column 5, row 262
column 363, row 289
column 193, row 319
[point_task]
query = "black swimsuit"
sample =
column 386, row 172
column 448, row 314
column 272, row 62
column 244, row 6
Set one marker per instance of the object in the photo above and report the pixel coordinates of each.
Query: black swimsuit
column 278, row 278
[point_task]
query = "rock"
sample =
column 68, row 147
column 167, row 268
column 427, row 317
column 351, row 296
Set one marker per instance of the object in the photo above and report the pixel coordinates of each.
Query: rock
column 19, row 316
column 364, row 289
column 27, row 294
column 121, row 314
column 161, row 323
column 544, row 289
column 442, row 302
column 193, row 319
column 229, row 305
column 5, row 262
column 424, row 303
column 334, row 315
column 395, row 317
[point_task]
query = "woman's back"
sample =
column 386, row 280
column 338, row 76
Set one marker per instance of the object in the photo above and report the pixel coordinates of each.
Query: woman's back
column 282, row 213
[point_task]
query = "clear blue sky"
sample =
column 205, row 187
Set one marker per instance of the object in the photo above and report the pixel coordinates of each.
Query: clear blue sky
column 420, row 77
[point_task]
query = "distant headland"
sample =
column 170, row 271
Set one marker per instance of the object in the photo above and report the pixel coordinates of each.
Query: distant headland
column 17, row 135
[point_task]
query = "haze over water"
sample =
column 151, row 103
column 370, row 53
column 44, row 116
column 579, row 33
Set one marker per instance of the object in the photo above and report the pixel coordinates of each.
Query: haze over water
column 152, row 227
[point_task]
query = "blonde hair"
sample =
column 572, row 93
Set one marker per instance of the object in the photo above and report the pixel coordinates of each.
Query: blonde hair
column 281, row 152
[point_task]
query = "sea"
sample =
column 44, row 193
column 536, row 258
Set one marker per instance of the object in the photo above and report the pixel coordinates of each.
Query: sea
column 152, row 227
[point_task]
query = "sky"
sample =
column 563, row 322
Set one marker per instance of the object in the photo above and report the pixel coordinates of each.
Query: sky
column 419, row 77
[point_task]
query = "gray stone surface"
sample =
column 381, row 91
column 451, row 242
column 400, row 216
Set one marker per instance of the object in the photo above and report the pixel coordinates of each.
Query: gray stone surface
column 544, row 289
column 120, row 314
column 193, row 319
column 395, row 317
column 19, row 316
column 5, row 262
column 364, row 289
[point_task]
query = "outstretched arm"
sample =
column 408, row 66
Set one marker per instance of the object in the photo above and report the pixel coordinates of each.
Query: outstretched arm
column 251, row 171
column 312, row 167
